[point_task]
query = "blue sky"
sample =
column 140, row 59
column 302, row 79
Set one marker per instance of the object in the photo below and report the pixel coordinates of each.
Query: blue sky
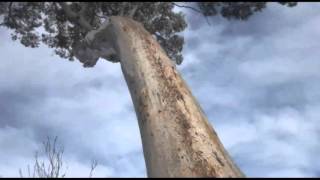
column 257, row 81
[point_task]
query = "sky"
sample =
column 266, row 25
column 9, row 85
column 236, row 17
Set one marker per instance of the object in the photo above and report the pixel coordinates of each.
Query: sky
column 257, row 81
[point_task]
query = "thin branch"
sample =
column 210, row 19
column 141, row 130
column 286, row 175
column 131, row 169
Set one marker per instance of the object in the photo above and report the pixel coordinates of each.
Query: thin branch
column 133, row 11
column 100, row 16
column 122, row 9
column 189, row 7
column 207, row 19
column 9, row 13
column 93, row 166
column 28, row 170
column 34, row 171
column 103, row 17
column 194, row 9
column 52, row 165
column 76, row 17
column 20, row 173
column 160, row 37
column 84, row 7
column 68, row 10
column 10, row 6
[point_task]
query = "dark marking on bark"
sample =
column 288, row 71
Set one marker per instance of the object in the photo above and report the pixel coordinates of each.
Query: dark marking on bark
column 218, row 159
column 125, row 28
column 185, row 124
column 143, row 101
column 202, row 167
column 171, row 91
column 148, row 41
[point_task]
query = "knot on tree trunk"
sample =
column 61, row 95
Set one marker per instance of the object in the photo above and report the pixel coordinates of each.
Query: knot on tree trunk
column 97, row 44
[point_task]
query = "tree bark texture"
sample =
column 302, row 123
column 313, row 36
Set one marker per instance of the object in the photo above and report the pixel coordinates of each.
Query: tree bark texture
column 178, row 140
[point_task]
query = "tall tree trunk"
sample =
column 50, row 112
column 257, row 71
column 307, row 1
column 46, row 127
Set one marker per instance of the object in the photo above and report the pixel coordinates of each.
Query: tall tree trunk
column 177, row 139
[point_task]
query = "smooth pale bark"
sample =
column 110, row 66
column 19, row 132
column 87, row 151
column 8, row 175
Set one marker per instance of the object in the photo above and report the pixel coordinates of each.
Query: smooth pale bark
column 177, row 139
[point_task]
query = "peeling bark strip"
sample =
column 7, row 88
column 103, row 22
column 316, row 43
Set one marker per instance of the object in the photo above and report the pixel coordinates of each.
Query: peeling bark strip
column 177, row 139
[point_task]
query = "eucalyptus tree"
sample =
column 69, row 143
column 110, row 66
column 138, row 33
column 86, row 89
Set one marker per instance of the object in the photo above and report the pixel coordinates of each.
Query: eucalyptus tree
column 178, row 140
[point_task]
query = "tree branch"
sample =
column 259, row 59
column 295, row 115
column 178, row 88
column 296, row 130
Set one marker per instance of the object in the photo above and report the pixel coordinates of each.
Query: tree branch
column 76, row 17
column 192, row 8
column 189, row 7
column 10, row 12
column 160, row 37
column 122, row 10
column 133, row 11
column 84, row 7
column 102, row 17
column 66, row 8
column 94, row 164
column 10, row 6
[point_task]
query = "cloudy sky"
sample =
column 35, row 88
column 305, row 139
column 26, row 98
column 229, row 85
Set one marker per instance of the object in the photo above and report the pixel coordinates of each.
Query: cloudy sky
column 258, row 82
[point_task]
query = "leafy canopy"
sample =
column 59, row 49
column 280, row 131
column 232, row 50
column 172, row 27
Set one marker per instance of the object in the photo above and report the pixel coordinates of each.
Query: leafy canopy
column 62, row 25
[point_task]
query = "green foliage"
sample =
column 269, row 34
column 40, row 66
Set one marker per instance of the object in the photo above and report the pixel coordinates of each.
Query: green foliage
column 62, row 30
column 235, row 10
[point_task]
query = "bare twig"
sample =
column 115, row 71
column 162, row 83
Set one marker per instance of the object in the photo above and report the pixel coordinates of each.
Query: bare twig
column 28, row 170
column 20, row 173
column 94, row 164
column 10, row 12
column 189, row 7
column 104, row 17
column 10, row 7
column 122, row 9
column 192, row 8
column 160, row 37
column 52, row 167
column 133, row 11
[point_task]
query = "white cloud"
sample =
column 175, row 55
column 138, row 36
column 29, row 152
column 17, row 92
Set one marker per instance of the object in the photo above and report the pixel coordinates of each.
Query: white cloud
column 259, row 89
column 256, row 80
